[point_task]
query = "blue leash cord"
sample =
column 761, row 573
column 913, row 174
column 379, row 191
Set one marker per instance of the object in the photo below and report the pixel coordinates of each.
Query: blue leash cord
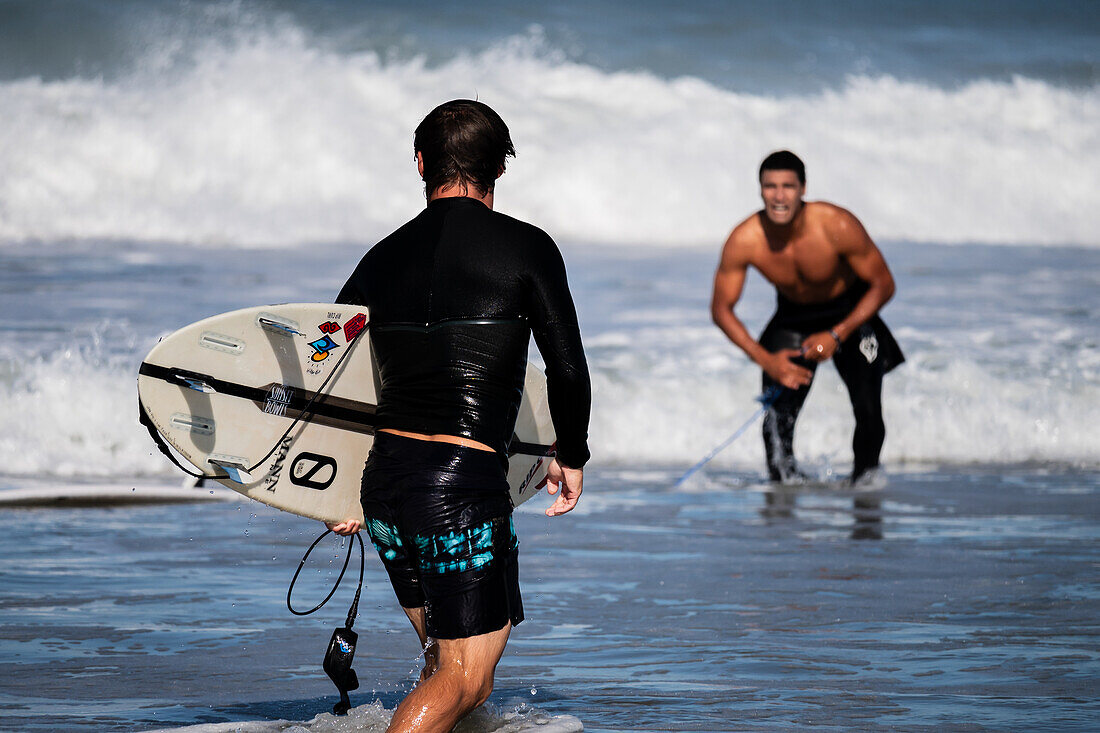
column 766, row 400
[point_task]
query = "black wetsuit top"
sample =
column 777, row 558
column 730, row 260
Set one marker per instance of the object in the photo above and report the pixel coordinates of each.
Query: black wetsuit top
column 454, row 296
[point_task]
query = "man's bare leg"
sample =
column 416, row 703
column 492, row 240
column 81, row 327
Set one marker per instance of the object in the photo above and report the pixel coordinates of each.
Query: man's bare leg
column 431, row 649
column 462, row 680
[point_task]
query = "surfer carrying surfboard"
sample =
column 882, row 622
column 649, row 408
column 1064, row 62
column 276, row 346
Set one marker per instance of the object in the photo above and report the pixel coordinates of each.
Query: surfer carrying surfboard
column 454, row 297
column 830, row 281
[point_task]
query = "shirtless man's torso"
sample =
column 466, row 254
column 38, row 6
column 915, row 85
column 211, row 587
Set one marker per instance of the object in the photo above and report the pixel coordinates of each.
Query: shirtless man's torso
column 831, row 280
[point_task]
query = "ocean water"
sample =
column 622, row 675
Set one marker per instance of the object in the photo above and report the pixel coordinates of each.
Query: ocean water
column 952, row 600
column 1003, row 349
column 244, row 123
column 160, row 163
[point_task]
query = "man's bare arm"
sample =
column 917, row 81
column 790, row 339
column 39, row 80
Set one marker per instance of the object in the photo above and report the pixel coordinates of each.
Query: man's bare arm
column 729, row 281
column 869, row 265
column 853, row 244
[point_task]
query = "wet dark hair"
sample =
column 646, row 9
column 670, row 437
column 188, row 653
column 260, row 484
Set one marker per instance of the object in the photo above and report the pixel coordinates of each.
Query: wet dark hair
column 463, row 142
column 784, row 160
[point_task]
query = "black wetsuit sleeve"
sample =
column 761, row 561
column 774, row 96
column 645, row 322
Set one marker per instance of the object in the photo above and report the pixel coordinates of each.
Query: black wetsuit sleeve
column 558, row 338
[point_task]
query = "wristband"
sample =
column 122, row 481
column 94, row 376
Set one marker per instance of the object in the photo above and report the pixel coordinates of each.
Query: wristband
column 835, row 335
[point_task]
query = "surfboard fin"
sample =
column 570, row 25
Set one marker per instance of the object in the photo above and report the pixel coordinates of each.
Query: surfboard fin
column 269, row 322
column 238, row 472
column 195, row 384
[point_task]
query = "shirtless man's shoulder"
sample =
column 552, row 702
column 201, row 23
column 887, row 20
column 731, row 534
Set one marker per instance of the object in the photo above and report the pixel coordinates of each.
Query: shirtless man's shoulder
column 743, row 241
column 836, row 226
column 820, row 220
column 807, row 261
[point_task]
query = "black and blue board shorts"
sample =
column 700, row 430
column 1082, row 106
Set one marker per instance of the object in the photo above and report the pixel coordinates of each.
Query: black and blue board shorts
column 440, row 517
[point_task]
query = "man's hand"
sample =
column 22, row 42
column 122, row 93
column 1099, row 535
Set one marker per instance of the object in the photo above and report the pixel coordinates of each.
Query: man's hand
column 819, row 346
column 780, row 368
column 351, row 526
column 570, row 481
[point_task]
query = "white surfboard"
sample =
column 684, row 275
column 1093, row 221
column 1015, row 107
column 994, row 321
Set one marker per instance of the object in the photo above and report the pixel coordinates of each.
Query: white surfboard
column 277, row 402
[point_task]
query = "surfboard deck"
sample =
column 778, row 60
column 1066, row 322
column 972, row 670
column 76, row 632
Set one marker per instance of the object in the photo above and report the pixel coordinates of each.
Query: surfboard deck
column 277, row 402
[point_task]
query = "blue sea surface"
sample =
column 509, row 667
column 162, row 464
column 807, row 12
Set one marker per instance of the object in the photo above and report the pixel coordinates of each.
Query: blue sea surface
column 246, row 124
column 962, row 594
column 953, row 599
column 745, row 46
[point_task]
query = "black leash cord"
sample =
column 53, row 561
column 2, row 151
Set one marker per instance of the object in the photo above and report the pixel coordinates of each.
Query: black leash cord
column 347, row 559
column 341, row 648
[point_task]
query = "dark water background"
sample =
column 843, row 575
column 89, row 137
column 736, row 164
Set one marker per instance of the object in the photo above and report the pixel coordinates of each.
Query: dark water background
column 801, row 46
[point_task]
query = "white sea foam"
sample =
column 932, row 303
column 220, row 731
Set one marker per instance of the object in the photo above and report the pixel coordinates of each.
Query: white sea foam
column 672, row 408
column 1003, row 364
column 71, row 415
column 267, row 138
column 77, row 413
column 374, row 718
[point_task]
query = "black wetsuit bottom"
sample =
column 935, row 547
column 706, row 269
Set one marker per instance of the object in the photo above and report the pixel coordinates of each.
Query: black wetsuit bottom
column 862, row 361
column 440, row 517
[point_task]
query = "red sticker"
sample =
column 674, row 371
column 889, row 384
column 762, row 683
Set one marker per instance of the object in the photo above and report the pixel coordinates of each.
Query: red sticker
column 355, row 326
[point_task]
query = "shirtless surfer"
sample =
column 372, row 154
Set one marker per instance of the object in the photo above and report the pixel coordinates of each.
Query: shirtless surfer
column 831, row 281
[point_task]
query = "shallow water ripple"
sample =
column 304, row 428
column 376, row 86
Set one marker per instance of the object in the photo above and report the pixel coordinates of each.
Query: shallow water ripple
column 963, row 599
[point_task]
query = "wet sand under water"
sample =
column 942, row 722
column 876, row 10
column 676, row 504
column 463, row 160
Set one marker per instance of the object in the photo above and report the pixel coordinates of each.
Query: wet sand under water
column 960, row 598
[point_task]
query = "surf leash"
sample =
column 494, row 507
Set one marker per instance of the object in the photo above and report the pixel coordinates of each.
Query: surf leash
column 341, row 647
column 766, row 400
